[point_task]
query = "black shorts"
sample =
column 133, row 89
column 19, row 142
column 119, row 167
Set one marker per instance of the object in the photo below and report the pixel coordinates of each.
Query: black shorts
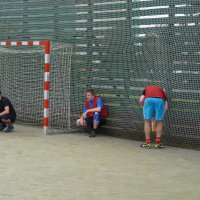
column 6, row 117
column 89, row 121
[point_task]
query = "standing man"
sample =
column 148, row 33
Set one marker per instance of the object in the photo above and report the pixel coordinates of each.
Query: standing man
column 7, row 114
column 94, row 113
column 155, row 105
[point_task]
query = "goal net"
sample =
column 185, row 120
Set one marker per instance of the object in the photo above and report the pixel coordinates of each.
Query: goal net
column 39, row 88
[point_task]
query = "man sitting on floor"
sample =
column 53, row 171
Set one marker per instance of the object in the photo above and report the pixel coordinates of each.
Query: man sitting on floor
column 94, row 113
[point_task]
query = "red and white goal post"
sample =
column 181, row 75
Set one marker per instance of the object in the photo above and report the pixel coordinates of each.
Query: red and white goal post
column 46, row 45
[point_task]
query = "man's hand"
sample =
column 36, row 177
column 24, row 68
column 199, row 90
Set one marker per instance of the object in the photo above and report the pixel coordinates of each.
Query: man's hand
column 84, row 115
column 141, row 101
column 166, row 106
column 81, row 120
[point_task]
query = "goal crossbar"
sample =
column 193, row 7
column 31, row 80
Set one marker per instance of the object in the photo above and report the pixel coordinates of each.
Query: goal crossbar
column 46, row 45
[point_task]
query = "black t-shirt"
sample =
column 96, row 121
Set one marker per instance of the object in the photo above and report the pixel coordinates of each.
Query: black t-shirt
column 6, row 102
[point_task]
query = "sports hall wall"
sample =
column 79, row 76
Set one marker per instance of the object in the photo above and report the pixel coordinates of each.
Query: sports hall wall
column 119, row 46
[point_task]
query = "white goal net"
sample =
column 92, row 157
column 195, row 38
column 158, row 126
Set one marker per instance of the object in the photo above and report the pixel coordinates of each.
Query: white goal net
column 22, row 81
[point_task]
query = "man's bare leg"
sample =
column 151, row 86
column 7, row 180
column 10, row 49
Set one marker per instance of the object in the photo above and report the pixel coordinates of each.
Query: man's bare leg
column 159, row 129
column 7, row 122
column 95, row 124
column 147, row 130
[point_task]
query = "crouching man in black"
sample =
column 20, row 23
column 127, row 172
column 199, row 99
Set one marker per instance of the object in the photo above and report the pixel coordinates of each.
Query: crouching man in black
column 7, row 114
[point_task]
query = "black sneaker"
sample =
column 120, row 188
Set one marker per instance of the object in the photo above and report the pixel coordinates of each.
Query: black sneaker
column 2, row 126
column 159, row 146
column 8, row 129
column 148, row 146
column 92, row 134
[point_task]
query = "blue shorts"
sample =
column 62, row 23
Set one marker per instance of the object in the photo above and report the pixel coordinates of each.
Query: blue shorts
column 154, row 107
column 97, row 117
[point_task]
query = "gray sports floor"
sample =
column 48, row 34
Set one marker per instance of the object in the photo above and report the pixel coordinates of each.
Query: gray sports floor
column 75, row 167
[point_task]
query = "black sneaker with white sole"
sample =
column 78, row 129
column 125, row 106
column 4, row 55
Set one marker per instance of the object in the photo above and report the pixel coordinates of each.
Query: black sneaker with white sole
column 147, row 146
column 159, row 146
column 8, row 129
column 2, row 126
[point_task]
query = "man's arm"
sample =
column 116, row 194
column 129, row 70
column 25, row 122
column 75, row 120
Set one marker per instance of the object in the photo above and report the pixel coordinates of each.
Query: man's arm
column 6, row 111
column 84, row 115
column 81, row 120
column 142, row 97
column 97, row 109
column 166, row 104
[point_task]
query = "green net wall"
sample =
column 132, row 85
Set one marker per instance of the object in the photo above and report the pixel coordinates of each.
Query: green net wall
column 119, row 47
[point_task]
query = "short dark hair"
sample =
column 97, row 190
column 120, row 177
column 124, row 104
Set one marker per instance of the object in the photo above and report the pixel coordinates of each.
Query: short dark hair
column 91, row 91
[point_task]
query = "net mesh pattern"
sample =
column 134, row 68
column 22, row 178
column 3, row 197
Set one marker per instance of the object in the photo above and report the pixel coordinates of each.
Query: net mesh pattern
column 119, row 47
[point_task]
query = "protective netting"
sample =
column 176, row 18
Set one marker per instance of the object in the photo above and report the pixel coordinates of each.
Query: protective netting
column 22, row 78
column 121, row 46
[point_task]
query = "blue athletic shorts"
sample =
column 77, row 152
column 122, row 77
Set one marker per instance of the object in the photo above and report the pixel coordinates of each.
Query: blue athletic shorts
column 97, row 117
column 154, row 107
